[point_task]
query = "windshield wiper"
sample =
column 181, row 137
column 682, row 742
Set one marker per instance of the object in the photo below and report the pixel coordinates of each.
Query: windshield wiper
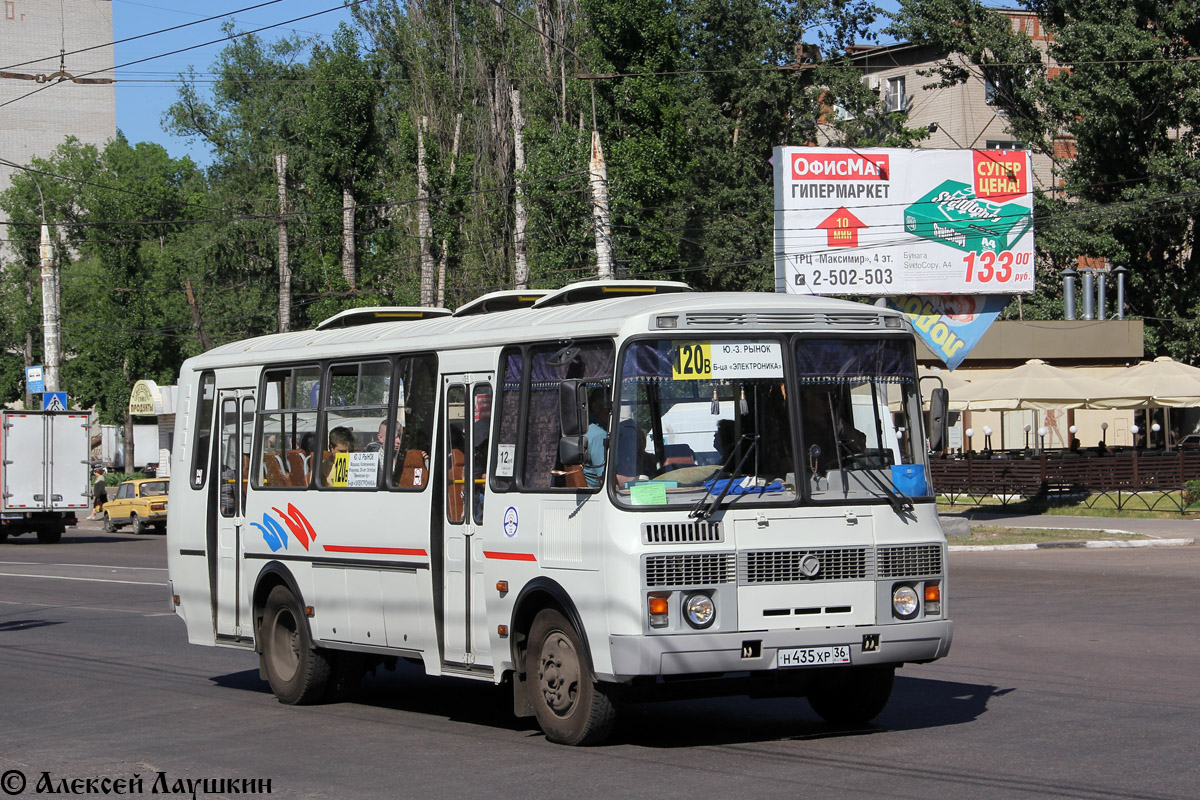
column 897, row 499
column 699, row 510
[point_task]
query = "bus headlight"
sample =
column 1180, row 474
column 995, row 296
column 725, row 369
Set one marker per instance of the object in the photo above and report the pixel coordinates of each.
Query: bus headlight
column 699, row 610
column 904, row 602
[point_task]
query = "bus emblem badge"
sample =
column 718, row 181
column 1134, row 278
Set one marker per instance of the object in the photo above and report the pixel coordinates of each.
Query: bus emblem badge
column 810, row 565
column 510, row 522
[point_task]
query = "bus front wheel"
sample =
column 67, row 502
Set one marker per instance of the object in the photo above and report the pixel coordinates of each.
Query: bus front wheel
column 853, row 695
column 297, row 671
column 570, row 707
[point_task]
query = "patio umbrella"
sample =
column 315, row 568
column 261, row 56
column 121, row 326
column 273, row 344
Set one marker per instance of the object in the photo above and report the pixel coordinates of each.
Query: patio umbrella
column 1164, row 381
column 1167, row 383
column 1038, row 385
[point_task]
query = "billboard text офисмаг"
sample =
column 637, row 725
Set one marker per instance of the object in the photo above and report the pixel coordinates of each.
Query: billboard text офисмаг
column 887, row 221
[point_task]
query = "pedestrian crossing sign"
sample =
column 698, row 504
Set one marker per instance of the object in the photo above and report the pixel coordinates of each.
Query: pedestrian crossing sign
column 54, row 401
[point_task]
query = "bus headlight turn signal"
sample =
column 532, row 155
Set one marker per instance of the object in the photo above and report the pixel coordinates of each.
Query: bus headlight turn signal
column 699, row 610
column 904, row 602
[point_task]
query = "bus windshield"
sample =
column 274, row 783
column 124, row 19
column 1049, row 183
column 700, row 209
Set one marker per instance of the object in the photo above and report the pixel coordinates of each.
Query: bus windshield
column 705, row 418
column 860, row 418
column 698, row 418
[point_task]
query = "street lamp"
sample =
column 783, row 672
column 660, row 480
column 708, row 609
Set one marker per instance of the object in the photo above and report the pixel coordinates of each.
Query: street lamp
column 969, row 432
column 1134, row 429
column 1155, row 428
column 1104, row 433
column 987, row 438
column 1042, row 438
column 1028, row 428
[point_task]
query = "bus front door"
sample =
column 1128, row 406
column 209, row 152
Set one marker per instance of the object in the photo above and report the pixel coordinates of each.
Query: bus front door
column 236, row 423
column 466, row 420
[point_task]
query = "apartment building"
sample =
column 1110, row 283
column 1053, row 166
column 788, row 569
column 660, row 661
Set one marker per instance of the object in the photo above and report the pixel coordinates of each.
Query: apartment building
column 958, row 117
column 40, row 104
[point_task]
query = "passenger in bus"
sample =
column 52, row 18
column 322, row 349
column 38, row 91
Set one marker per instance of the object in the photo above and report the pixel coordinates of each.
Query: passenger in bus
column 341, row 440
column 599, row 409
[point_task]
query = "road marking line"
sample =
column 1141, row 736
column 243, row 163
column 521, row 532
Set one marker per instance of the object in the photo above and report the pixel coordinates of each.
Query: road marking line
column 88, row 580
column 92, row 566
column 85, row 608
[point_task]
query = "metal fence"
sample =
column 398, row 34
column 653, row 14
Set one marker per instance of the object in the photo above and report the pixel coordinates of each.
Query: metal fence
column 1149, row 479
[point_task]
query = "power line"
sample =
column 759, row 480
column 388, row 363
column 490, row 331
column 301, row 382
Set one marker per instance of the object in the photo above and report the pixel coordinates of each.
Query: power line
column 228, row 38
column 142, row 35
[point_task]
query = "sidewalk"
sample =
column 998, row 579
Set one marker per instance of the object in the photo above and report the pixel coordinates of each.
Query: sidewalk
column 1159, row 532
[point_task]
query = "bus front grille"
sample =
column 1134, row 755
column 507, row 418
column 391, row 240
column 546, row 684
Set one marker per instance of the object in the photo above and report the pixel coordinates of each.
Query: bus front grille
column 696, row 569
column 681, row 532
column 910, row 561
column 797, row 566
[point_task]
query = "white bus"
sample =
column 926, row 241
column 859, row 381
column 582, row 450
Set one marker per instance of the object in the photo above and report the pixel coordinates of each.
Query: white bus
column 493, row 494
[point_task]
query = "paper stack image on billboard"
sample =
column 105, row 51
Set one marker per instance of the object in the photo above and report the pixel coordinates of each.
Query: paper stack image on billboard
column 952, row 214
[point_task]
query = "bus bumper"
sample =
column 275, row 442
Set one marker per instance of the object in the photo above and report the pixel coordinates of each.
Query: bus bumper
column 685, row 654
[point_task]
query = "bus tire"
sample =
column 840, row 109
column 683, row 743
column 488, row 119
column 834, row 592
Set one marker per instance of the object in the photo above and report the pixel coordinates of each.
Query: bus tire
column 854, row 695
column 570, row 707
column 297, row 670
column 49, row 535
column 138, row 524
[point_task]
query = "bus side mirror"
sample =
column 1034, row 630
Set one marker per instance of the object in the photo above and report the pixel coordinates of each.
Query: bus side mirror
column 572, row 407
column 573, row 450
column 939, row 419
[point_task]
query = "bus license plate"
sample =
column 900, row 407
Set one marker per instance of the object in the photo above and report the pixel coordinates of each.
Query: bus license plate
column 813, row 656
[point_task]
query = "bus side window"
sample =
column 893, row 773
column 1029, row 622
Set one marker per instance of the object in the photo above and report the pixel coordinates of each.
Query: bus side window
column 286, row 429
column 551, row 364
column 354, row 410
column 412, row 414
column 202, row 441
column 512, row 365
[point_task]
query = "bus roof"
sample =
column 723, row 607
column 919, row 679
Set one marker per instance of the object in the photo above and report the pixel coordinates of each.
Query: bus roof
column 749, row 313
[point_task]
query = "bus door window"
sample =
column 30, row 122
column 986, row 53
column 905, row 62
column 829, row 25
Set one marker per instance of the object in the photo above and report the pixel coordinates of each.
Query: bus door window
column 456, row 455
column 246, row 437
column 230, row 457
column 481, row 408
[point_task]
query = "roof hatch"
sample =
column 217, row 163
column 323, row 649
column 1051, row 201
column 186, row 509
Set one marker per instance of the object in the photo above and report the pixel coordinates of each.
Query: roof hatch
column 353, row 317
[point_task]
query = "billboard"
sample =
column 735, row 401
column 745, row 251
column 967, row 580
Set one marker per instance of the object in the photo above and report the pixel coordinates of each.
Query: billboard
column 889, row 221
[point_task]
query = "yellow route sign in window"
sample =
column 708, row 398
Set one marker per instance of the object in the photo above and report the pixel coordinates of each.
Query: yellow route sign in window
column 692, row 362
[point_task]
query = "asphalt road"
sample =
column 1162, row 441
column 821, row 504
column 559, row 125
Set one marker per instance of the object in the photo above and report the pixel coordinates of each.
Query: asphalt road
column 1073, row 675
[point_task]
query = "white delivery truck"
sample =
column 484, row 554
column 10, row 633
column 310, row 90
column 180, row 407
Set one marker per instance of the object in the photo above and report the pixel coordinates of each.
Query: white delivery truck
column 44, row 472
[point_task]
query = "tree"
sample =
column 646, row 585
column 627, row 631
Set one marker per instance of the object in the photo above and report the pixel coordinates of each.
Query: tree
column 1122, row 98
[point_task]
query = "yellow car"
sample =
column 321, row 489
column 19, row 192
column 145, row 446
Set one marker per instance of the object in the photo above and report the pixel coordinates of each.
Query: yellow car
column 141, row 504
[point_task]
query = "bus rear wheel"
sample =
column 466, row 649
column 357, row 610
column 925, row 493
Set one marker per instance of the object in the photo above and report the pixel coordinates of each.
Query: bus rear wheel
column 570, row 707
column 297, row 670
column 852, row 696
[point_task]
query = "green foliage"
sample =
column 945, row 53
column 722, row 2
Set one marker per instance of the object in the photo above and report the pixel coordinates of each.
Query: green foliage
column 1125, row 97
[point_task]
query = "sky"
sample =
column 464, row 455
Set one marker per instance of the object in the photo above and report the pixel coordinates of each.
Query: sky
column 146, row 90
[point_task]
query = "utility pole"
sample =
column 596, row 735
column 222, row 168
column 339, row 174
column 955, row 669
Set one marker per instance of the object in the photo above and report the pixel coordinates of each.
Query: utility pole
column 50, row 317
column 520, row 216
column 285, row 269
column 598, row 177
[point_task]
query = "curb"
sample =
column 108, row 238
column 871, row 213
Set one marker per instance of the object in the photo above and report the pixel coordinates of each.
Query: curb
column 1074, row 545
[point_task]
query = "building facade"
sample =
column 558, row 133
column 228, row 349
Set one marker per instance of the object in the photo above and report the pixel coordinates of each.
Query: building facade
column 40, row 106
